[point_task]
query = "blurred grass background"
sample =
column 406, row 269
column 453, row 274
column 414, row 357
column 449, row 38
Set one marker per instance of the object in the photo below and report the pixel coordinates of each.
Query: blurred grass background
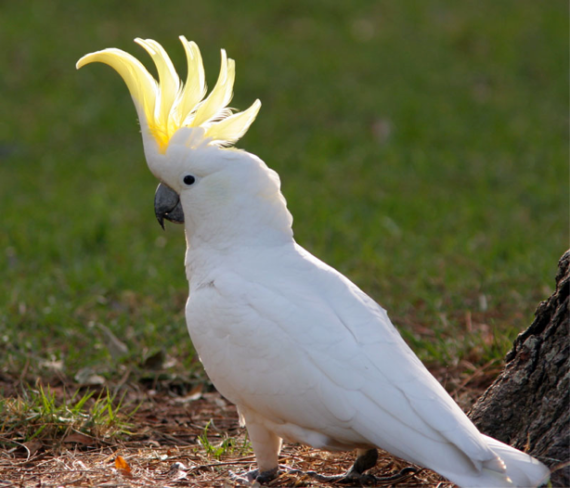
column 422, row 146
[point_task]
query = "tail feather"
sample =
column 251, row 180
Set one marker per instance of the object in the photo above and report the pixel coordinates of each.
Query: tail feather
column 519, row 470
column 522, row 469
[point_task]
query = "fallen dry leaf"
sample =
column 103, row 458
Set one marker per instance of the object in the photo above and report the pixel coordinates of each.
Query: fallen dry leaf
column 194, row 394
column 122, row 466
column 79, row 438
column 32, row 446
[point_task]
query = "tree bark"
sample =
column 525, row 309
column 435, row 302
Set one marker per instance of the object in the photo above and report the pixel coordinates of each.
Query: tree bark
column 528, row 405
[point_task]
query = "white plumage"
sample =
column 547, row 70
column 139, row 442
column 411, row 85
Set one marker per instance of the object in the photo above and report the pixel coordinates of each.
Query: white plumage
column 307, row 356
column 304, row 354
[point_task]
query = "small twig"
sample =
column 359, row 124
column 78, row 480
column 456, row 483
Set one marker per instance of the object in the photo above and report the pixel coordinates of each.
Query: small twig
column 213, row 465
column 176, row 439
column 478, row 372
column 24, row 371
column 4, row 439
column 63, row 483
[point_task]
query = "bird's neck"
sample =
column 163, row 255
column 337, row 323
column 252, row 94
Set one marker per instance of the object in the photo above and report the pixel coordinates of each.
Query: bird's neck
column 257, row 225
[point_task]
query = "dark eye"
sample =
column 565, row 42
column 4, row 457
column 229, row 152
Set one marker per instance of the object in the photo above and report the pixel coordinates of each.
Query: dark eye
column 189, row 180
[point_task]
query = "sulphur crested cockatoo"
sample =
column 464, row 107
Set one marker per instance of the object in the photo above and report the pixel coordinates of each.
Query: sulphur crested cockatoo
column 304, row 354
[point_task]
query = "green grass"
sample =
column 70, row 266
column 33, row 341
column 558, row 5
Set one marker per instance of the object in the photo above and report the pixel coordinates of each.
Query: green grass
column 227, row 446
column 422, row 146
column 37, row 414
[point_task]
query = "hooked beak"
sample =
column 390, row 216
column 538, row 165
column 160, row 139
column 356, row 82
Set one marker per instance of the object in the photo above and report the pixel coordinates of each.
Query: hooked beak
column 167, row 205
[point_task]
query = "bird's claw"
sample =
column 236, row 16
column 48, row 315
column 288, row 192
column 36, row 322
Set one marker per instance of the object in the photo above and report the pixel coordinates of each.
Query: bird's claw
column 255, row 476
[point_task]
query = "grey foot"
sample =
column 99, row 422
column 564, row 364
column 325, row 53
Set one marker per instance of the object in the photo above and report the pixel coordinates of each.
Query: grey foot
column 255, row 475
column 355, row 474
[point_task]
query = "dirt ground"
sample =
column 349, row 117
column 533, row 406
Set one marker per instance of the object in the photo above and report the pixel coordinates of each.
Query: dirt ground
column 166, row 446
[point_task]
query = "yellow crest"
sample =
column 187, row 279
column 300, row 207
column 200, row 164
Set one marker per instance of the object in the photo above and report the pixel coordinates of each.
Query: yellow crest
column 169, row 104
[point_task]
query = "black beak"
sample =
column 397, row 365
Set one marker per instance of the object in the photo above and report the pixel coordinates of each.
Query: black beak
column 167, row 205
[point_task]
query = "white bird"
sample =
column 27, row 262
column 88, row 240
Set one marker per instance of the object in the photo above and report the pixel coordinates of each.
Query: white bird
column 304, row 354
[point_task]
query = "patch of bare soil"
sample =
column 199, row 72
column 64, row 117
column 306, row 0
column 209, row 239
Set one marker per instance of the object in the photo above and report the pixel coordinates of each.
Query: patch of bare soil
column 191, row 439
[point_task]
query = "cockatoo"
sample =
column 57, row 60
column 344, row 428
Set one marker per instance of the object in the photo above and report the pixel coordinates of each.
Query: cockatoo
column 304, row 354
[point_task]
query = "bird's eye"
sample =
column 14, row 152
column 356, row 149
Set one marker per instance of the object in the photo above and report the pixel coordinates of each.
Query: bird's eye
column 189, row 180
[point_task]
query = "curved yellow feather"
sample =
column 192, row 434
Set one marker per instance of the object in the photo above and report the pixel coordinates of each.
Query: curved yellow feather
column 195, row 86
column 234, row 127
column 169, row 83
column 142, row 86
column 220, row 96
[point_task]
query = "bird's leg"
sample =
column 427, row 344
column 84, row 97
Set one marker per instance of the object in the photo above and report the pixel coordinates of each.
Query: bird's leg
column 366, row 459
column 266, row 446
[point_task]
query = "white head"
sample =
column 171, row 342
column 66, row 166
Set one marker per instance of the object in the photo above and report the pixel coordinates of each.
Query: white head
column 227, row 196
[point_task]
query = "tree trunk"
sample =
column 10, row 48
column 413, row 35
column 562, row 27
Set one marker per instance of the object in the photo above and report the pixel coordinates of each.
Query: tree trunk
column 528, row 405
